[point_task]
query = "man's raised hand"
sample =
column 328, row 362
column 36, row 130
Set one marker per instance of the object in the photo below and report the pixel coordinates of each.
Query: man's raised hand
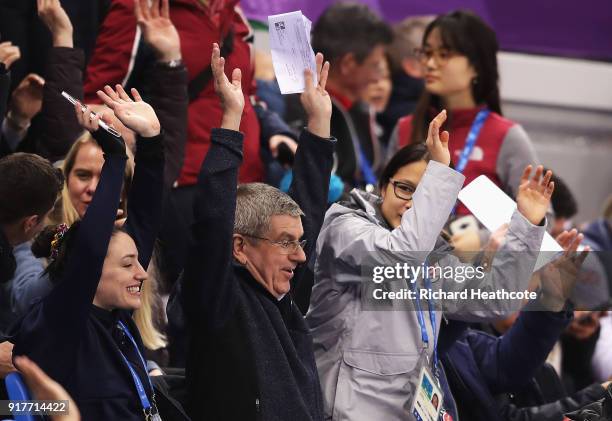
column 316, row 101
column 134, row 113
column 157, row 28
column 533, row 197
column 229, row 93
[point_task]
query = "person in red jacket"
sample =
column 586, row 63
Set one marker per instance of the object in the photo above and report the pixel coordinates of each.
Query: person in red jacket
column 459, row 53
column 120, row 57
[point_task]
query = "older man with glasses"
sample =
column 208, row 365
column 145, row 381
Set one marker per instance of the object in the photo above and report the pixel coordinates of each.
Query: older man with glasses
column 250, row 351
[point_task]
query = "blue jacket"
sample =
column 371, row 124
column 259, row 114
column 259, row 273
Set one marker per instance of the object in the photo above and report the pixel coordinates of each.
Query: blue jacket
column 28, row 282
column 480, row 366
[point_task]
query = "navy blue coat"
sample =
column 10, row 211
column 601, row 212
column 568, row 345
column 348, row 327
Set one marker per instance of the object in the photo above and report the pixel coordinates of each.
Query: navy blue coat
column 483, row 369
column 71, row 339
column 480, row 366
column 250, row 355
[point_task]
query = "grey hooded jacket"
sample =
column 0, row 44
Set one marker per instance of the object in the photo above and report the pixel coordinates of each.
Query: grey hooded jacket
column 367, row 357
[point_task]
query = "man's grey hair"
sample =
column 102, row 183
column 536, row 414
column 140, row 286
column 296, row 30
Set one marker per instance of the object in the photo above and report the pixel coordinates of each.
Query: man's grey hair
column 256, row 203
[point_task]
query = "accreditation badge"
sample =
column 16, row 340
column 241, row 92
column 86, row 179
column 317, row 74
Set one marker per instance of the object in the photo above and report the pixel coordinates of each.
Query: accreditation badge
column 156, row 417
column 428, row 397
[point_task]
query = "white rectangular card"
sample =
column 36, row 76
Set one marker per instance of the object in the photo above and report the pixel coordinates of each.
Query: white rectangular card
column 291, row 50
column 493, row 208
column 428, row 399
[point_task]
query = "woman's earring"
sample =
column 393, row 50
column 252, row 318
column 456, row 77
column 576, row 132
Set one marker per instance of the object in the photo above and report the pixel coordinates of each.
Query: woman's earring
column 475, row 81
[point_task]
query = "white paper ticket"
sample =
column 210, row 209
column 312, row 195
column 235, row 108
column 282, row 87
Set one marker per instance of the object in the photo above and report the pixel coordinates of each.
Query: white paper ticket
column 291, row 50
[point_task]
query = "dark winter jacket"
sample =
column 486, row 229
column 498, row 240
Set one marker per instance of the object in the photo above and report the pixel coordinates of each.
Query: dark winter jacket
column 484, row 370
column 250, row 355
column 74, row 341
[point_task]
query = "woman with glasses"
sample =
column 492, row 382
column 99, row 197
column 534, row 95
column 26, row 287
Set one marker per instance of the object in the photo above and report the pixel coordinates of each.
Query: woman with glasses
column 459, row 56
column 369, row 352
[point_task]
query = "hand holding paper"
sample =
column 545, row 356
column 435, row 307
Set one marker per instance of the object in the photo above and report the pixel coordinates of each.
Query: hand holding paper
column 493, row 208
column 291, row 50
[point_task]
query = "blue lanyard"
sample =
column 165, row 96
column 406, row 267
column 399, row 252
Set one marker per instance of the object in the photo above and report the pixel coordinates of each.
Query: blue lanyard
column 470, row 141
column 432, row 319
column 366, row 168
column 144, row 399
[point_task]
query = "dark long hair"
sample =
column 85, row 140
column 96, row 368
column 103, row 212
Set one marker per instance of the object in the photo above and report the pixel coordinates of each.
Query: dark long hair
column 467, row 34
column 406, row 155
column 42, row 247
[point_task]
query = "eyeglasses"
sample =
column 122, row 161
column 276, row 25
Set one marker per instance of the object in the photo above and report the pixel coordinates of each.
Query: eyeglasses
column 402, row 190
column 286, row 246
column 440, row 55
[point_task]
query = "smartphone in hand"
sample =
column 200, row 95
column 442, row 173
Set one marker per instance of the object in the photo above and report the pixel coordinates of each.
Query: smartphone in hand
column 102, row 124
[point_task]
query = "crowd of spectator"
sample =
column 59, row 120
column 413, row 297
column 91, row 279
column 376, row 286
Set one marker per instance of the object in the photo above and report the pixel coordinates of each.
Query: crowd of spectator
column 184, row 242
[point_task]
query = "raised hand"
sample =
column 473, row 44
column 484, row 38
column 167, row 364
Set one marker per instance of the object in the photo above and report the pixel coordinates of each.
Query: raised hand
column 533, row 197
column 558, row 278
column 316, row 101
column 230, row 93
column 58, row 22
column 9, row 53
column 157, row 28
column 89, row 120
column 26, row 100
column 437, row 143
column 571, row 261
column 134, row 114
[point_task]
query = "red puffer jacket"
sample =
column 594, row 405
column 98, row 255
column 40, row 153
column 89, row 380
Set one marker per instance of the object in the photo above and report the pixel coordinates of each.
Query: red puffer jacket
column 117, row 50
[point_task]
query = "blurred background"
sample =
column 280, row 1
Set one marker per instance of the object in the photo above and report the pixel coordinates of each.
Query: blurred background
column 556, row 76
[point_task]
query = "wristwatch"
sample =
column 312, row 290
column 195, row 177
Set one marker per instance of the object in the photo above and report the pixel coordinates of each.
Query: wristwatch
column 172, row 64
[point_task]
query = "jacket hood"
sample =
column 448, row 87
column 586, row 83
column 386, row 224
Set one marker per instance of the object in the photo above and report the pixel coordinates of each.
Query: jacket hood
column 362, row 203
